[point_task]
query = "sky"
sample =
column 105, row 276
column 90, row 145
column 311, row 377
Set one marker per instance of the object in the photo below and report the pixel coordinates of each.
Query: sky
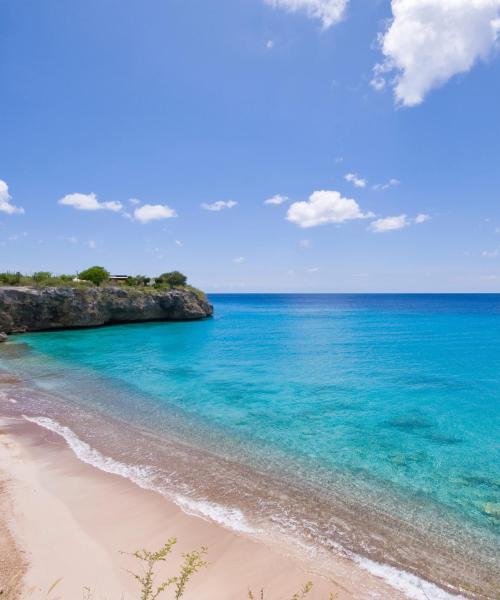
column 256, row 145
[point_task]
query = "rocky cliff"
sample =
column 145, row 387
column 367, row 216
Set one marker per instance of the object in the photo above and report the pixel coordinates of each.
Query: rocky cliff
column 38, row 309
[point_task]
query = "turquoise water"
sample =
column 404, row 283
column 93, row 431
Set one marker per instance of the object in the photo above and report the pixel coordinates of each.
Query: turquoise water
column 385, row 402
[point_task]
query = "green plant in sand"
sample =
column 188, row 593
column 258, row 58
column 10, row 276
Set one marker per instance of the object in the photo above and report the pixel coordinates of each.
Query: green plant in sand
column 149, row 589
column 193, row 562
column 304, row 592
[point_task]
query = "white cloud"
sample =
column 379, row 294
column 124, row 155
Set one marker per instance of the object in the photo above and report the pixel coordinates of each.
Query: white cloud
column 389, row 224
column 276, row 199
column 355, row 180
column 153, row 212
column 313, row 270
column 89, row 202
column 134, row 201
column 399, row 222
column 329, row 12
column 270, row 44
column 92, row 244
column 385, row 186
column 6, row 205
column 305, row 243
column 325, row 207
column 179, row 243
column 239, row 259
column 219, row 205
column 429, row 41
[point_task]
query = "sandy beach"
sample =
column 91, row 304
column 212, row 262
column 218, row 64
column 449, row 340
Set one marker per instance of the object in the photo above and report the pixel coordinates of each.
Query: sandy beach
column 69, row 523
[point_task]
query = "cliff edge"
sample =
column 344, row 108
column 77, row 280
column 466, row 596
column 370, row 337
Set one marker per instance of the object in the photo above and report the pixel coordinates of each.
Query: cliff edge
column 42, row 309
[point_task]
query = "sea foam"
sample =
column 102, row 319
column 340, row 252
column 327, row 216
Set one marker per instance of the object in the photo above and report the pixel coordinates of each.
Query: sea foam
column 412, row 586
column 144, row 477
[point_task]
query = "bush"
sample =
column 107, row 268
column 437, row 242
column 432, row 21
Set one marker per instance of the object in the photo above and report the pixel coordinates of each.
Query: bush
column 96, row 275
column 40, row 276
column 8, row 278
column 172, row 279
column 66, row 278
column 137, row 281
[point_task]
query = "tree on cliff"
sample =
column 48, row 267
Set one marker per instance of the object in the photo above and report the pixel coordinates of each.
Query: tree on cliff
column 96, row 275
column 173, row 279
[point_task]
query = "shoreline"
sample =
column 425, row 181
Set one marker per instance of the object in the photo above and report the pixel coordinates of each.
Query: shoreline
column 36, row 438
column 72, row 520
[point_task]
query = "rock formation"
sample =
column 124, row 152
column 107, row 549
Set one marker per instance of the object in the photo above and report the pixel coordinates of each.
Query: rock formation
column 40, row 309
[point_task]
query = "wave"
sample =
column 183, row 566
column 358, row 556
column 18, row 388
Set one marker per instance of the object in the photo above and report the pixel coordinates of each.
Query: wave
column 410, row 585
column 144, row 477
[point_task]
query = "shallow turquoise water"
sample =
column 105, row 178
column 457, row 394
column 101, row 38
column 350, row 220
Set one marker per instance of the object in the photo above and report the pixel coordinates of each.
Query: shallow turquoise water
column 397, row 395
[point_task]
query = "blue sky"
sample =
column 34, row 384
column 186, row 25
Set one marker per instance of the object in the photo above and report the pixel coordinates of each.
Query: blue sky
column 373, row 125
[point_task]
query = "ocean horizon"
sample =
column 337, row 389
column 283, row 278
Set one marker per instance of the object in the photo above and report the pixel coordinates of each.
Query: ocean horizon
column 364, row 425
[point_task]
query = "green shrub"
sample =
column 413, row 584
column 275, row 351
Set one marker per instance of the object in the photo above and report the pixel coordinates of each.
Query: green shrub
column 41, row 276
column 66, row 278
column 96, row 275
column 171, row 279
column 9, row 278
column 137, row 281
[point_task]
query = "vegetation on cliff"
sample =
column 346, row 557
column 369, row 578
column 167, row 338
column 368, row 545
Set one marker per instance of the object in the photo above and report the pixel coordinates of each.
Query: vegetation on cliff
column 100, row 277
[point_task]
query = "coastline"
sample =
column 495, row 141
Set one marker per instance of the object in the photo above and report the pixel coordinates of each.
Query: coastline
column 72, row 521
column 105, row 426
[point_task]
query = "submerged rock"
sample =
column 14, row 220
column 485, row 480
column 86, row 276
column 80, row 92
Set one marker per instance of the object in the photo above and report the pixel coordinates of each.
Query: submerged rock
column 40, row 309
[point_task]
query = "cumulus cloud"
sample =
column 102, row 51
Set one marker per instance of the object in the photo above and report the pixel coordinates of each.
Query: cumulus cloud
column 394, row 223
column 389, row 224
column 429, row 41
column 239, row 259
column 355, row 180
column 325, row 207
column 153, row 212
column 6, row 205
column 329, row 12
column 89, row 202
column 219, row 205
column 276, row 200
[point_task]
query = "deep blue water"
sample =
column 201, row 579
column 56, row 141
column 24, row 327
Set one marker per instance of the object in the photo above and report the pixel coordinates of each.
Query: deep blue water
column 398, row 392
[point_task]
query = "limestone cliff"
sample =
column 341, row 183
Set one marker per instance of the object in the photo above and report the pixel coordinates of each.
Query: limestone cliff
column 39, row 309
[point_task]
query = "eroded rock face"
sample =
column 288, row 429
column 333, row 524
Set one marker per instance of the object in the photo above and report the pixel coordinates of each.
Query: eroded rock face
column 38, row 309
column 3, row 337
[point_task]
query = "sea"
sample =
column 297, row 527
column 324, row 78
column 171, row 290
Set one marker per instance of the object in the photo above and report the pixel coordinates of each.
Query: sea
column 366, row 426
